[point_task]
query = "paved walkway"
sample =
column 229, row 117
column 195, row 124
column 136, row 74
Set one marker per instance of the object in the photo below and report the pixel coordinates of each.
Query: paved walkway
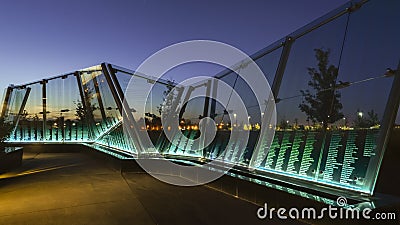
column 73, row 188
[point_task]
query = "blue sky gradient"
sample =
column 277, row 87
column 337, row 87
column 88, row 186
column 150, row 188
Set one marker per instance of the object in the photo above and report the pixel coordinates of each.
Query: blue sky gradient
column 44, row 38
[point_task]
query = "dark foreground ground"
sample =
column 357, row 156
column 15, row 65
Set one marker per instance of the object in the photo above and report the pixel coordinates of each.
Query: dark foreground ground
column 75, row 188
column 85, row 188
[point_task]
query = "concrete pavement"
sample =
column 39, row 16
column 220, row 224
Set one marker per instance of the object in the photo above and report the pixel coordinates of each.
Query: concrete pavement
column 75, row 188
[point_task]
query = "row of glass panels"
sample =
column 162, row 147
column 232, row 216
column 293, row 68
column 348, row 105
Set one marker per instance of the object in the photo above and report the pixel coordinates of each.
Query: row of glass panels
column 331, row 102
column 327, row 129
column 55, row 111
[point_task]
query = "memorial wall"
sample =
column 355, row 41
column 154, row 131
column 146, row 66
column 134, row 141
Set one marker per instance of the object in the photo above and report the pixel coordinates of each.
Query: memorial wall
column 333, row 85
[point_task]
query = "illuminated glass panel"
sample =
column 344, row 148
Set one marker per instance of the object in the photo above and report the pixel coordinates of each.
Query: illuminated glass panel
column 33, row 121
column 371, row 51
column 15, row 104
column 116, row 139
column 268, row 63
column 298, row 146
column 140, row 103
column 63, row 98
column 102, row 113
column 333, row 140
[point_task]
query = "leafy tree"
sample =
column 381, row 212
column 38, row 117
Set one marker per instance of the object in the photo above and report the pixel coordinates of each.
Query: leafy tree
column 371, row 120
column 80, row 111
column 152, row 119
column 322, row 103
column 164, row 109
column 283, row 124
column 168, row 99
column 85, row 114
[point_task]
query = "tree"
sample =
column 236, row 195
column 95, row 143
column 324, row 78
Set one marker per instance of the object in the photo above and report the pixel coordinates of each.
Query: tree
column 284, row 124
column 152, row 119
column 85, row 114
column 371, row 120
column 168, row 99
column 322, row 104
column 166, row 110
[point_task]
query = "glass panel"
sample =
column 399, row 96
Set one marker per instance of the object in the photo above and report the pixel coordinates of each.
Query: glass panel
column 397, row 121
column 328, row 112
column 113, row 115
column 307, row 109
column 34, row 114
column 297, row 75
column 189, row 121
column 371, row 52
column 140, row 84
column 54, row 119
column 14, row 107
column 222, row 119
column 141, row 104
column 154, row 104
column 63, row 98
column 252, row 125
column 269, row 63
column 116, row 139
column 101, row 110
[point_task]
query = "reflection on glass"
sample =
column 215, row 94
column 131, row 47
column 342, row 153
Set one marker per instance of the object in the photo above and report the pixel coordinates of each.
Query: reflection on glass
column 15, row 104
column 328, row 112
column 308, row 104
column 33, row 114
column 145, row 108
column 101, row 113
column 62, row 121
column 368, row 69
column 269, row 63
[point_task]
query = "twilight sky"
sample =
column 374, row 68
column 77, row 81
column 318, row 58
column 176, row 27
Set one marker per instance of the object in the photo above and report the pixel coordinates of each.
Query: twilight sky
column 45, row 38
